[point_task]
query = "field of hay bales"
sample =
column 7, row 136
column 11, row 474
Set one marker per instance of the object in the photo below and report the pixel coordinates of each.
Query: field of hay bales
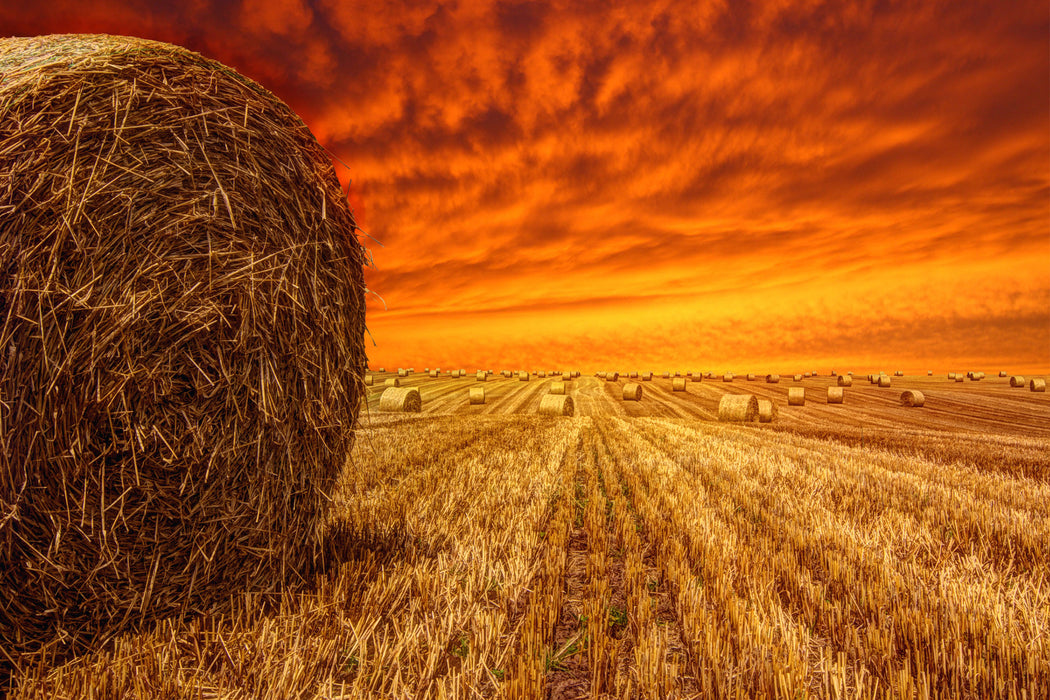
column 644, row 549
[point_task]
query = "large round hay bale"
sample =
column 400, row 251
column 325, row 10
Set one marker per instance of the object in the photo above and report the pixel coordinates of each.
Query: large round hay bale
column 557, row 387
column 696, row 377
column 523, row 376
column 434, row 373
column 541, row 375
column 369, row 380
column 836, row 394
column 772, row 379
column 633, row 375
column 884, row 380
column 929, row 373
column 403, row 399
column 1017, row 380
column 647, row 376
column 727, row 377
column 796, row 396
column 912, row 397
column 738, row 408
column 750, row 377
column 632, row 392
column 481, row 376
column 402, row 372
column 678, row 384
column 845, row 380
column 556, row 405
column 392, row 381
column 767, row 410
column 797, row 378
column 612, row 376
column 477, row 395
column 181, row 322
column 1037, row 385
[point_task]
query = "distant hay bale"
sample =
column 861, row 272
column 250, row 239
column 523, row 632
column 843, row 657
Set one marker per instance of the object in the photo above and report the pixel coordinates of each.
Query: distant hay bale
column 750, row 377
column 835, row 394
column 600, row 375
column 632, row 392
column 481, row 376
column 667, row 375
column 541, row 375
column 796, row 396
column 523, row 376
column 845, row 380
column 898, row 373
column 772, row 379
column 1003, row 373
column 633, row 375
column 929, row 373
column 727, row 377
column 767, row 410
column 1037, row 385
column 797, row 378
column 392, row 381
column 382, row 370
column 507, row 373
column 426, row 370
column 368, row 380
column 404, row 399
column 834, row 373
column 1017, row 380
column 558, row 387
column 678, row 384
column 806, row 375
column 697, row 377
column 647, row 376
column 566, row 376
column 477, row 395
column 951, row 375
column 884, row 381
column 738, row 408
column 960, row 378
column 434, row 373
column 401, row 372
column 612, row 376
column 556, row 405
column 912, row 397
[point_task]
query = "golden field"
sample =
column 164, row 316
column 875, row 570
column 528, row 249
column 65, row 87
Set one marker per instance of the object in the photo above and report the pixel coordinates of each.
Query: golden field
column 645, row 550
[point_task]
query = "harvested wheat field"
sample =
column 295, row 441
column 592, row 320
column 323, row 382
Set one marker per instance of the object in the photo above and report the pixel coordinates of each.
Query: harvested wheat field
column 643, row 549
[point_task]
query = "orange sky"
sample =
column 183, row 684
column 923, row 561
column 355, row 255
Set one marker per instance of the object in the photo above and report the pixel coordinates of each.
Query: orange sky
column 785, row 185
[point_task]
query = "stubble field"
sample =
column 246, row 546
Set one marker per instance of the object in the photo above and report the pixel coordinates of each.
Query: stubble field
column 645, row 550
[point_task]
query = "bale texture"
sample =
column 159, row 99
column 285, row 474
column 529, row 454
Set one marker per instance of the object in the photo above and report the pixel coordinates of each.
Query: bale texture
column 612, row 376
column 727, row 377
column 912, row 397
column 434, row 373
column 738, row 408
column 403, row 399
column 557, row 387
column 796, row 396
column 392, row 381
column 767, row 410
column 845, row 380
column 1037, row 385
column 477, row 395
column 960, row 378
column 523, row 376
column 835, row 394
column 678, row 384
column 797, row 378
column 556, row 405
column 647, row 376
column 951, row 375
column 1017, row 380
column 369, row 380
column 181, row 324
column 402, row 372
column 481, row 376
column 750, row 377
column 696, row 377
column 632, row 392
column 884, row 380
column 772, row 379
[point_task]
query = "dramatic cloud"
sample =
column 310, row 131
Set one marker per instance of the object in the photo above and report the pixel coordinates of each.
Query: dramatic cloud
column 723, row 184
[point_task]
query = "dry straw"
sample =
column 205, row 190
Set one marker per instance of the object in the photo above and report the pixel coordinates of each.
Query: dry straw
column 369, row 381
column 898, row 373
column 797, row 377
column 845, row 380
column 884, row 380
column 402, row 372
column 182, row 322
column 835, row 394
column 912, row 397
column 678, row 384
column 481, row 376
column 750, row 377
column 772, row 379
column 1037, row 385
column 647, row 376
column 632, row 392
column 951, row 375
column 404, row 399
column 434, row 373
column 633, row 375
column 556, row 405
column 612, row 376
column 541, row 375
column 738, row 408
column 1003, row 373
column 557, row 387
column 696, row 377
column 392, row 381
column 667, row 375
column 477, row 395
column 523, row 376
column 767, row 410
column 1017, row 380
column 382, row 370
column 796, row 396
column 960, row 378
column 727, row 377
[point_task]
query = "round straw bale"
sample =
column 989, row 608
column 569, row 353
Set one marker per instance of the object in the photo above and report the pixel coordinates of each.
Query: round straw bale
column 678, row 384
column 738, row 408
column 612, row 376
column 632, row 392
column 797, row 377
column 898, row 373
column 523, row 376
column 477, row 395
column 834, row 373
column 845, row 380
column 960, row 378
column 772, row 379
column 600, row 375
column 426, row 370
column 951, row 375
column 929, row 373
column 767, row 410
column 750, row 377
column 796, row 396
column 647, row 376
column 1003, row 373
column 368, row 380
column 1017, row 380
column 912, row 397
column 434, row 373
column 806, row 375
column 633, row 375
column 1037, row 385
column 556, row 405
column 666, row 375
column 392, row 381
column 697, row 377
column 727, row 377
column 403, row 399
column 566, row 376
column 835, row 394
column 382, row 370
column 884, row 381
column 558, row 387
column 181, row 319
column 401, row 372
column 481, row 376
column 541, row 375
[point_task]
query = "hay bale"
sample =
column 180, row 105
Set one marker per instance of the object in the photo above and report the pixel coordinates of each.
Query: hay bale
column 523, row 376
column 477, row 395
column 727, row 377
column 696, row 377
column 767, row 410
column 382, row 370
column 772, row 379
column 1003, row 373
column 738, row 408
column 1037, row 385
column 835, row 394
column 1017, row 381
column 806, row 375
column 750, row 377
column 556, row 405
column 667, row 375
column 404, row 399
column 392, row 381
column 632, row 392
column 612, row 376
column 434, row 373
column 678, row 384
column 929, row 373
column 179, row 278
column 401, row 372
column 845, row 380
column 647, row 376
column 912, row 397
column 960, row 378
column 481, row 376
column 369, row 380
column 797, row 378
column 898, row 373
column 633, row 375
column 884, row 381
column 951, row 375
column 796, row 396
column 557, row 387
column 600, row 375
column 541, row 375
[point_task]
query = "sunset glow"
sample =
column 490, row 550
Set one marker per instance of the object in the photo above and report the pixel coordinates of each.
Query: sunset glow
column 771, row 186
